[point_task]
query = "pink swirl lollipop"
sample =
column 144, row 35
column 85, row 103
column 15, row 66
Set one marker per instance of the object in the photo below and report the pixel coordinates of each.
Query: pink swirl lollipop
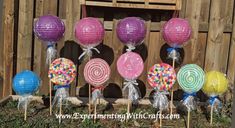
column 162, row 76
column 130, row 65
column 96, row 72
column 62, row 71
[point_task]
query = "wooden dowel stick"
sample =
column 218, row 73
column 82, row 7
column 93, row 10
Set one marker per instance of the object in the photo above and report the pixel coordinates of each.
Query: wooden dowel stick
column 211, row 115
column 50, row 96
column 89, row 93
column 60, row 109
column 188, row 119
column 160, row 118
column 95, row 112
column 172, row 92
column 128, row 106
column 25, row 112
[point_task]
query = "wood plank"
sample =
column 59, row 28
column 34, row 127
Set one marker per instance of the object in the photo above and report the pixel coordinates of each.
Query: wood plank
column 1, row 46
column 205, row 11
column 8, row 39
column 25, row 30
column 193, row 49
column 231, row 62
column 43, row 7
column 217, row 42
column 129, row 5
column 156, row 26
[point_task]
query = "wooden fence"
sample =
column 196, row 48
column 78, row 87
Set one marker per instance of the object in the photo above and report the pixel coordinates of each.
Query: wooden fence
column 212, row 45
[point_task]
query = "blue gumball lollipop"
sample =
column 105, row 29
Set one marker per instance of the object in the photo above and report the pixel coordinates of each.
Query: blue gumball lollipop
column 25, row 84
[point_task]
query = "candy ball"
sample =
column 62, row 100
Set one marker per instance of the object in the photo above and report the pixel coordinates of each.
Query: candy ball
column 176, row 32
column 131, row 31
column 26, row 83
column 130, row 65
column 89, row 32
column 215, row 83
column 191, row 78
column 49, row 28
column 62, row 71
column 161, row 76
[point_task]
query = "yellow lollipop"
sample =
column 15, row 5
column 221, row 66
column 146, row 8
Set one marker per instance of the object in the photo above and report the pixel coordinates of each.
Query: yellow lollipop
column 215, row 83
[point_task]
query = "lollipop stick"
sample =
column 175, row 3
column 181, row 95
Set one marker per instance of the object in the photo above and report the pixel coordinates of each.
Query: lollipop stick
column 172, row 92
column 160, row 118
column 188, row 119
column 89, row 105
column 25, row 112
column 60, row 109
column 95, row 113
column 128, row 106
column 211, row 114
column 50, row 97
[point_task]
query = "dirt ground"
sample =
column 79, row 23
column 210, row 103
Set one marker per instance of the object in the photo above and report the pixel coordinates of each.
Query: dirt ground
column 38, row 117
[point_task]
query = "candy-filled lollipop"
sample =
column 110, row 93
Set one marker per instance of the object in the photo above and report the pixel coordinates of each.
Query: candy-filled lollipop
column 89, row 33
column 25, row 84
column 49, row 29
column 131, row 31
column 161, row 77
column 130, row 66
column 96, row 73
column 62, row 72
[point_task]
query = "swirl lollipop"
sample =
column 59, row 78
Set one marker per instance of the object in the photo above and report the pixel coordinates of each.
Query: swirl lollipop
column 131, row 31
column 96, row 73
column 25, row 84
column 191, row 79
column 215, row 84
column 130, row 66
column 89, row 32
column 49, row 29
column 161, row 77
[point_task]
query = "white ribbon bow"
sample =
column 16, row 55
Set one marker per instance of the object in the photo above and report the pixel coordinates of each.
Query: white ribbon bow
column 88, row 51
column 95, row 95
column 24, row 100
column 190, row 103
column 130, row 48
column 61, row 93
column 51, row 54
column 133, row 93
column 175, row 55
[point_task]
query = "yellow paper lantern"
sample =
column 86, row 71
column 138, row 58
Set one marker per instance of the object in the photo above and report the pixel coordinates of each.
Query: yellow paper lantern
column 215, row 83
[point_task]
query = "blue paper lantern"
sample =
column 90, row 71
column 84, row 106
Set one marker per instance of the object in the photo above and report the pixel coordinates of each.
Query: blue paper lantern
column 26, row 83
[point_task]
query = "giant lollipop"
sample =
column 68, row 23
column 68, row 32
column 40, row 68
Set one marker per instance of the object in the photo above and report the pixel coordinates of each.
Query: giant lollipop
column 25, row 84
column 130, row 66
column 191, row 79
column 49, row 29
column 96, row 73
column 131, row 31
column 176, row 32
column 62, row 72
column 161, row 77
column 89, row 32
column 216, row 84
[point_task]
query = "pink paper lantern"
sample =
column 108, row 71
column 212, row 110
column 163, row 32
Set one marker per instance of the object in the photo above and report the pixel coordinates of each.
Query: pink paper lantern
column 176, row 32
column 89, row 32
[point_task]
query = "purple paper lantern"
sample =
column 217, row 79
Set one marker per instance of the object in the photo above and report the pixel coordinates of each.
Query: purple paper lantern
column 49, row 28
column 131, row 31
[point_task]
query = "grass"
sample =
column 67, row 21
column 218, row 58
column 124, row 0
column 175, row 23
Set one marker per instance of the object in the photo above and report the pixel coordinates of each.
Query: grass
column 38, row 116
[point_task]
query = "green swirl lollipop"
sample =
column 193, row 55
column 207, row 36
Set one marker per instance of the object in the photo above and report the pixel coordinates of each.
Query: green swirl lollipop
column 191, row 78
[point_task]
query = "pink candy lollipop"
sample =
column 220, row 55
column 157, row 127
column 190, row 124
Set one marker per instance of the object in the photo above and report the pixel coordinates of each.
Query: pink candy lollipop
column 96, row 72
column 130, row 65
